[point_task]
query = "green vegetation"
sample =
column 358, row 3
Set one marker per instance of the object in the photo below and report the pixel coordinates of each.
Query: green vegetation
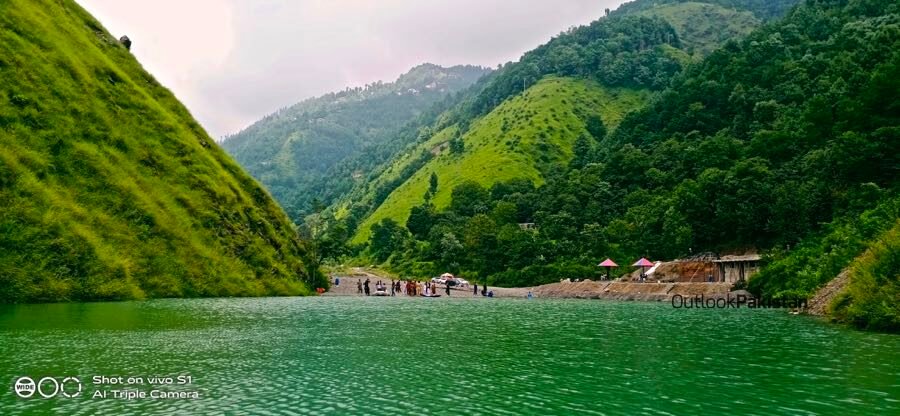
column 522, row 138
column 629, row 55
column 785, row 141
column 815, row 261
column 800, row 129
column 703, row 27
column 318, row 149
column 762, row 9
column 871, row 301
column 109, row 189
column 665, row 129
column 866, row 246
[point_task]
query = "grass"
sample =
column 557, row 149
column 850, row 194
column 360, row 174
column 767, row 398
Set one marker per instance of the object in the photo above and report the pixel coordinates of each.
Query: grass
column 520, row 138
column 703, row 27
column 870, row 301
column 109, row 189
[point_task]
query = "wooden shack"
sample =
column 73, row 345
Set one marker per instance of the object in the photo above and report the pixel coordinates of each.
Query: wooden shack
column 736, row 268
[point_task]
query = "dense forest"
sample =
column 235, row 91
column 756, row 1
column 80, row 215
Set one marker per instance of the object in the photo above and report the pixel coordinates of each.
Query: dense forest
column 785, row 142
column 763, row 9
column 314, row 151
column 109, row 189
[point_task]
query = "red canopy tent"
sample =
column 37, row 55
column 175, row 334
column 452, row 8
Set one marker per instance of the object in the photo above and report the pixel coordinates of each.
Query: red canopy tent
column 609, row 264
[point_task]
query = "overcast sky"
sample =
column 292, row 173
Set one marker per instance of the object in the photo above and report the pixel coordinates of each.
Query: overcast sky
column 234, row 61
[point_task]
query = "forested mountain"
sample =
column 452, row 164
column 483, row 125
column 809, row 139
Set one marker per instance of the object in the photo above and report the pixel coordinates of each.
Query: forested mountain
column 318, row 148
column 108, row 187
column 785, row 141
column 621, row 60
column 767, row 140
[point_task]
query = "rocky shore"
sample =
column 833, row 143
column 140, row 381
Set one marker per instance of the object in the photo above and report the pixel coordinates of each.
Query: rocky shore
column 617, row 290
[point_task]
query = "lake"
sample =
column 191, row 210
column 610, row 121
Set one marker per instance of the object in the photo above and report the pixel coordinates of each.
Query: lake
column 395, row 356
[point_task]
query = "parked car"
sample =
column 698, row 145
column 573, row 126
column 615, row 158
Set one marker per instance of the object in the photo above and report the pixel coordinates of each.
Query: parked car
column 462, row 282
column 452, row 281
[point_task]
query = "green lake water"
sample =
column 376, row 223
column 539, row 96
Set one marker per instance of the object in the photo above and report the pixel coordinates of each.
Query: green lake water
column 395, row 356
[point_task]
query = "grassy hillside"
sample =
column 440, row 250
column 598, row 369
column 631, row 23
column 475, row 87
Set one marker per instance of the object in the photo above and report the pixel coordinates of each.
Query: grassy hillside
column 762, row 9
column 624, row 55
column 871, row 299
column 703, row 27
column 866, row 246
column 521, row 138
column 108, row 187
column 319, row 148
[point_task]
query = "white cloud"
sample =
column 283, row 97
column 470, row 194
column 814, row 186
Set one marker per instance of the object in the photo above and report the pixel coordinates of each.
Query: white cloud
column 233, row 61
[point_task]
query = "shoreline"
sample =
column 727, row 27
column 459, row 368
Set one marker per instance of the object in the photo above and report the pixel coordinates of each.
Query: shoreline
column 586, row 289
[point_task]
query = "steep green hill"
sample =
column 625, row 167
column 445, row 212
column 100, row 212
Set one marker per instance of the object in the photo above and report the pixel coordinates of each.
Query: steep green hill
column 521, row 138
column 505, row 136
column 319, row 148
column 108, row 187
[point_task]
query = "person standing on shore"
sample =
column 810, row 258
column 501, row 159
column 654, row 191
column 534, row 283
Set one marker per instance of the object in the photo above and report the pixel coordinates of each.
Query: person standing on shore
column 484, row 290
column 447, row 288
column 359, row 287
column 393, row 287
column 475, row 292
column 366, row 287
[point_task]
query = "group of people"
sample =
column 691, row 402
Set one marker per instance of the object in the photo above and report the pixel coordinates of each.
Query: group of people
column 362, row 287
column 484, row 291
column 412, row 288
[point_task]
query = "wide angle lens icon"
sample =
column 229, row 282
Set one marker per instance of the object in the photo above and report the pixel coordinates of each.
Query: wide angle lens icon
column 24, row 387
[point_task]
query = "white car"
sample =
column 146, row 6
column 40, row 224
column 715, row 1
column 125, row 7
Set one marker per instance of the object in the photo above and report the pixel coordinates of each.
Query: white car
column 462, row 282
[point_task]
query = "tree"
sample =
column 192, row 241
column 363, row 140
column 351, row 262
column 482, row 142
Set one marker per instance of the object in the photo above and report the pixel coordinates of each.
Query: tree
column 581, row 152
column 480, row 241
column 451, row 251
column 505, row 213
column 433, row 184
column 387, row 237
column 421, row 219
column 469, row 198
column 594, row 125
column 457, row 146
